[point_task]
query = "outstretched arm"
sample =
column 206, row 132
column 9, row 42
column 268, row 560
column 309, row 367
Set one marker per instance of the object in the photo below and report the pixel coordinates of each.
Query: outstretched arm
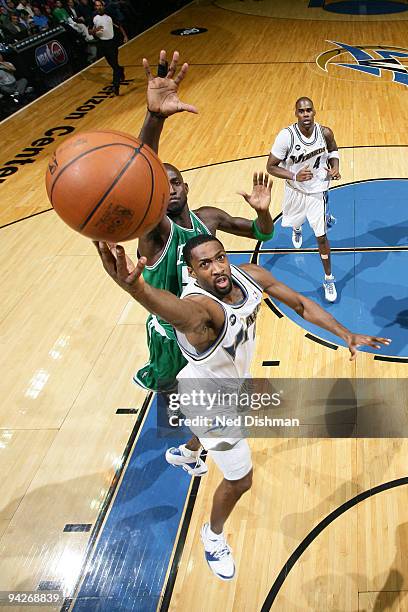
column 162, row 98
column 310, row 311
column 201, row 318
column 259, row 200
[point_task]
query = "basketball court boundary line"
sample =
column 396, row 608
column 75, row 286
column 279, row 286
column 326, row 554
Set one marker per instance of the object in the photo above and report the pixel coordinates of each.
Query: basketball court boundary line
column 312, row 535
column 113, row 488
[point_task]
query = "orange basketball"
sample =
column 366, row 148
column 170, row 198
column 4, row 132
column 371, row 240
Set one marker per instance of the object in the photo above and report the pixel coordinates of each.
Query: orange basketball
column 107, row 185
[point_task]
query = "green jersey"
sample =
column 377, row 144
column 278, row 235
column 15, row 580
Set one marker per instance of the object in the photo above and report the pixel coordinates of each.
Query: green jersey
column 170, row 271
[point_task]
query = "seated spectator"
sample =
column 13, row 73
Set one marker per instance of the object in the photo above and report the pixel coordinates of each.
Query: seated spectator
column 27, row 22
column 48, row 13
column 15, row 28
column 59, row 12
column 8, row 82
column 40, row 20
column 85, row 10
column 4, row 17
column 25, row 6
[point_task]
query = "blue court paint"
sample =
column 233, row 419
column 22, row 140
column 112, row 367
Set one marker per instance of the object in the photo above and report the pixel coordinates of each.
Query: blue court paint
column 367, row 7
column 132, row 556
column 372, row 286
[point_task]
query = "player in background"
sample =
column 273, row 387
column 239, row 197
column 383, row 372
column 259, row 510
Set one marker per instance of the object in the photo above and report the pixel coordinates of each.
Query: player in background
column 306, row 155
column 214, row 324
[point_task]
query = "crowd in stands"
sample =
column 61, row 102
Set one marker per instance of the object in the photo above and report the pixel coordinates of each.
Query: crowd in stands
column 20, row 19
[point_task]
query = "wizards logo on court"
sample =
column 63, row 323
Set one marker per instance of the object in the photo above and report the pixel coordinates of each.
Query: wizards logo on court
column 375, row 60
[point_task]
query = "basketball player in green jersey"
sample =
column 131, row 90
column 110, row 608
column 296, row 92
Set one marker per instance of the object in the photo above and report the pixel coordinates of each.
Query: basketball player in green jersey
column 163, row 247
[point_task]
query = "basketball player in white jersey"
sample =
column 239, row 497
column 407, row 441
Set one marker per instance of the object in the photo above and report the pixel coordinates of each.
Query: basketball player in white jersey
column 215, row 325
column 306, row 155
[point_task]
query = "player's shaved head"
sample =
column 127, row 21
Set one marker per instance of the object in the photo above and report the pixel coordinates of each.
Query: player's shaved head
column 178, row 191
column 304, row 99
column 173, row 169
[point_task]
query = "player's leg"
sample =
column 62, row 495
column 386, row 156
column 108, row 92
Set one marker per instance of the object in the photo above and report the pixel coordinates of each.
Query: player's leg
column 159, row 374
column 316, row 215
column 236, row 465
column 294, row 214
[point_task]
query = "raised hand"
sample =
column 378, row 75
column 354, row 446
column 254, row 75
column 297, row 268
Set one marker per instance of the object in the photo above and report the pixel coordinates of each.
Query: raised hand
column 260, row 198
column 162, row 92
column 356, row 340
column 121, row 268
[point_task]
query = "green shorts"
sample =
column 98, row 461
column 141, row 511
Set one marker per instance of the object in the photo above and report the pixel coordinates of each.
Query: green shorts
column 165, row 357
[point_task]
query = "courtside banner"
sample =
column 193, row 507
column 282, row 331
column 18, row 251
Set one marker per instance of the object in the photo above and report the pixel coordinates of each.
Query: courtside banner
column 285, row 408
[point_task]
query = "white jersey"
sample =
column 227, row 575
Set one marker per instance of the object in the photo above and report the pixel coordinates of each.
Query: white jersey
column 297, row 151
column 231, row 354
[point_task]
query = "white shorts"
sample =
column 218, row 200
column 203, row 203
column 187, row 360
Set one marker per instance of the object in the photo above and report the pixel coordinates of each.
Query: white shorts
column 298, row 206
column 234, row 460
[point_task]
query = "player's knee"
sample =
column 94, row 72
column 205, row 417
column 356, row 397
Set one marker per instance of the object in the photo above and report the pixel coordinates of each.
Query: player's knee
column 242, row 485
column 321, row 239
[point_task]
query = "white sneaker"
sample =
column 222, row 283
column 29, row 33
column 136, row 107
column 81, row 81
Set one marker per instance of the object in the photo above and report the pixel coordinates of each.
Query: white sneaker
column 297, row 238
column 330, row 292
column 193, row 465
column 330, row 221
column 218, row 555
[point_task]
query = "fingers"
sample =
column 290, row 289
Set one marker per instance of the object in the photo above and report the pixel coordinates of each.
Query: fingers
column 270, row 185
column 147, row 70
column 245, row 195
column 353, row 351
column 181, row 74
column 108, row 260
column 188, row 107
column 173, row 65
column 121, row 264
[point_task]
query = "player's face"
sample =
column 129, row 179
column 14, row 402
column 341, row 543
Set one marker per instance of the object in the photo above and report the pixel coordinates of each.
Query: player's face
column 305, row 113
column 211, row 267
column 178, row 192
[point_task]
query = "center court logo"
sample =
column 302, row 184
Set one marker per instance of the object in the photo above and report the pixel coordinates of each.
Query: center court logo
column 375, row 60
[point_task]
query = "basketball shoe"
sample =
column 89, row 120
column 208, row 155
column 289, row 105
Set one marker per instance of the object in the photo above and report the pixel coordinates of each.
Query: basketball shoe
column 330, row 292
column 217, row 554
column 297, row 238
column 190, row 461
column 330, row 221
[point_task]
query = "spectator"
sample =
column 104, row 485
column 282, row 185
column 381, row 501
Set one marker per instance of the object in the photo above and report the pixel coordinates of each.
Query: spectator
column 14, row 27
column 40, row 20
column 51, row 19
column 85, row 10
column 25, row 6
column 8, row 82
column 59, row 13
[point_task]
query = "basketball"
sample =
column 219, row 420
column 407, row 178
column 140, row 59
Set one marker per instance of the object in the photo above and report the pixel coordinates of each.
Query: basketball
column 107, row 185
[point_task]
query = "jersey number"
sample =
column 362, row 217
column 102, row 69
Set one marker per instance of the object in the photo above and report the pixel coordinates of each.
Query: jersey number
column 317, row 163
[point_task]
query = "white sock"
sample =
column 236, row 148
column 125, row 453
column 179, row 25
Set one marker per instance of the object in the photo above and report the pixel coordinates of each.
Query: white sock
column 329, row 277
column 212, row 535
column 187, row 452
column 297, row 229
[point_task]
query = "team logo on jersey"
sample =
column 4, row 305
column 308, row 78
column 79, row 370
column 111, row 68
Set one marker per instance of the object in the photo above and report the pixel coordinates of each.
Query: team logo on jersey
column 381, row 60
column 233, row 319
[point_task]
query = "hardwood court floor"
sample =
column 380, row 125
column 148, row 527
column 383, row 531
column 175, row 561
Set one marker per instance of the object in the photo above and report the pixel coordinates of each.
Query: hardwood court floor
column 71, row 340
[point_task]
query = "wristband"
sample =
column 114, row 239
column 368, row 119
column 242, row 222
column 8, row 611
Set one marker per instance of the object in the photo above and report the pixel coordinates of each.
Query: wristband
column 333, row 155
column 259, row 235
column 157, row 115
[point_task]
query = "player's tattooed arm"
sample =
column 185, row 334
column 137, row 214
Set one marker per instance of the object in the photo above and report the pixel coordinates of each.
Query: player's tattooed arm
column 200, row 318
column 334, row 161
column 310, row 311
column 162, row 98
column 260, row 200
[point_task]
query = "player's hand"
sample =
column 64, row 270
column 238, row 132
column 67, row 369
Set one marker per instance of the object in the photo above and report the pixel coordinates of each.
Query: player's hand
column 354, row 341
column 121, row 268
column 304, row 174
column 162, row 92
column 334, row 174
column 260, row 198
